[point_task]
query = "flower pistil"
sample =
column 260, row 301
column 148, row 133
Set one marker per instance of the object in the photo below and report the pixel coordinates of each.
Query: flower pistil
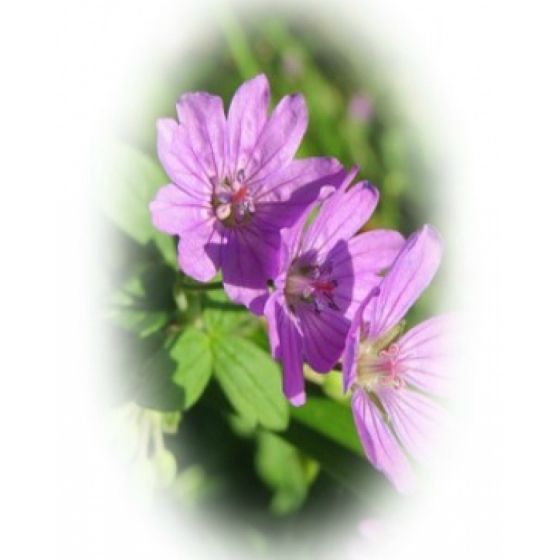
column 380, row 370
column 311, row 284
column 232, row 201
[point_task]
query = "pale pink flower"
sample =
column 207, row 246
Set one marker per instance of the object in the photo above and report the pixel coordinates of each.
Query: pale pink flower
column 392, row 374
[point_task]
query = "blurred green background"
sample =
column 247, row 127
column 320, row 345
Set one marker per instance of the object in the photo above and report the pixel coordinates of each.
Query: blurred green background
column 196, row 412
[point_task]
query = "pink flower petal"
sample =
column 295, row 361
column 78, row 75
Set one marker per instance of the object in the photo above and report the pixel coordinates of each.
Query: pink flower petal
column 426, row 355
column 340, row 217
column 174, row 211
column 380, row 445
column 298, row 174
column 180, row 162
column 416, row 420
column 375, row 250
column 200, row 252
column 246, row 119
column 410, row 274
column 203, row 123
column 287, row 194
column 360, row 264
column 279, row 139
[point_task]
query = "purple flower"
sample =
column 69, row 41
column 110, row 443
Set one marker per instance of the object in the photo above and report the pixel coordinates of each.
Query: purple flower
column 360, row 107
column 234, row 184
column 322, row 279
column 292, row 65
column 390, row 373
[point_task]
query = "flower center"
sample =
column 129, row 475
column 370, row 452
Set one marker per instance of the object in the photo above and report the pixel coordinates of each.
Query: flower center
column 311, row 285
column 378, row 370
column 232, row 201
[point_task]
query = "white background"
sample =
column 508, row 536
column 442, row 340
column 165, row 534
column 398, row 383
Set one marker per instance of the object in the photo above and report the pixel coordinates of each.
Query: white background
column 488, row 72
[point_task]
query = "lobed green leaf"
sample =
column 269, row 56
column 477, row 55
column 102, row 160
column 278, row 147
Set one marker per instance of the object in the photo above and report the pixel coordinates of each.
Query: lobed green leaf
column 144, row 303
column 156, row 387
column 332, row 419
column 132, row 181
column 285, row 470
column 193, row 355
column 250, row 380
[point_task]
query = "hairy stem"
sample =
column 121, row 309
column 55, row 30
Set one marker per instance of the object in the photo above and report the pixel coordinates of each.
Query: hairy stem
column 203, row 287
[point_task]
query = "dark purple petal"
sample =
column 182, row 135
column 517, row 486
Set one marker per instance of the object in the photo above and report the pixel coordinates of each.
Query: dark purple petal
column 203, row 130
column 270, row 313
column 381, row 447
column 324, row 335
column 293, row 382
column 285, row 339
column 247, row 117
column 340, row 217
column 415, row 418
column 174, row 211
column 290, row 220
column 279, row 139
column 343, row 295
column 426, row 355
column 351, row 353
column 410, row 274
column 251, row 259
column 200, row 251
column 284, row 260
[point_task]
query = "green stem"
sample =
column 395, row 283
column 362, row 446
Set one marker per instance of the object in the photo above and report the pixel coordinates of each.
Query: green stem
column 239, row 46
column 204, row 287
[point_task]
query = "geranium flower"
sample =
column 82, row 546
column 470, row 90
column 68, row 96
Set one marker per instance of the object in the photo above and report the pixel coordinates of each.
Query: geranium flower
column 234, row 184
column 391, row 373
column 323, row 276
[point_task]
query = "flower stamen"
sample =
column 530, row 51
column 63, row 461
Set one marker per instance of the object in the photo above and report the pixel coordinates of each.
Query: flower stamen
column 311, row 284
column 232, row 202
column 380, row 370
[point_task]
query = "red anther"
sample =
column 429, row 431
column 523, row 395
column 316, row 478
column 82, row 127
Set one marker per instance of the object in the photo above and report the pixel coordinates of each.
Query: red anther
column 324, row 286
column 240, row 195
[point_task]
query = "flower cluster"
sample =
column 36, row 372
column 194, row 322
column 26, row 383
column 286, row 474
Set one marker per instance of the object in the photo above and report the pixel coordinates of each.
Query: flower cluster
column 284, row 234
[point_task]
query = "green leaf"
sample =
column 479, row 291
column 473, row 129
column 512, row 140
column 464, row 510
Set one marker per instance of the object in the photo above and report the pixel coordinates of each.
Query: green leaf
column 144, row 302
column 332, row 419
column 131, row 183
column 170, row 422
column 242, row 426
column 351, row 472
column 194, row 486
column 165, row 466
column 285, row 470
column 192, row 353
column 222, row 316
column 141, row 370
column 157, row 389
column 239, row 45
column 332, row 386
column 251, row 381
